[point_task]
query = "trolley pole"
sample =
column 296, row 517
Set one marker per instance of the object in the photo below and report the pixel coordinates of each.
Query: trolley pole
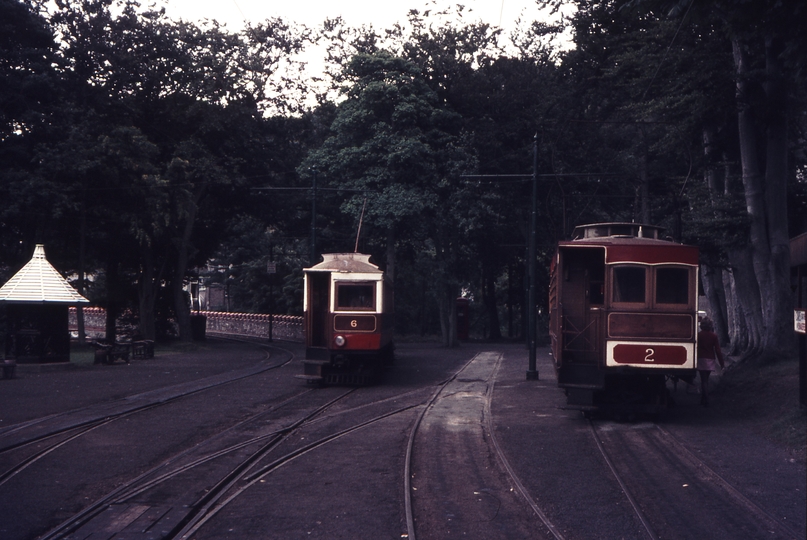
column 313, row 254
column 532, row 371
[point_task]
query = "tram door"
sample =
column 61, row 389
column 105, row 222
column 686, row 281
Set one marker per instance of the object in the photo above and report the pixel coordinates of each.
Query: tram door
column 582, row 297
column 319, row 295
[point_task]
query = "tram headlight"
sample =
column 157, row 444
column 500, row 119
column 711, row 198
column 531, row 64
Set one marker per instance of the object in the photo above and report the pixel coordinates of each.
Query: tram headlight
column 339, row 341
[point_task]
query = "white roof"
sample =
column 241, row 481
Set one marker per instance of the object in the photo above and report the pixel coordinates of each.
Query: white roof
column 39, row 282
column 345, row 262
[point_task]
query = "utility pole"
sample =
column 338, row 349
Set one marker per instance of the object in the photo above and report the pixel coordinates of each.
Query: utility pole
column 532, row 371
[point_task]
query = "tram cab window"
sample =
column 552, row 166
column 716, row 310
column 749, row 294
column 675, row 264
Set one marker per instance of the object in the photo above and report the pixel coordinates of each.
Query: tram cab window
column 672, row 286
column 629, row 284
column 355, row 296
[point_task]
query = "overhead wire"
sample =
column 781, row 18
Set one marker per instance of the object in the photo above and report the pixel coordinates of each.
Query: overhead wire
column 667, row 52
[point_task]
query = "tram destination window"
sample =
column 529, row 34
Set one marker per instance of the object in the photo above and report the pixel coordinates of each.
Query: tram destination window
column 355, row 296
column 629, row 284
column 672, row 286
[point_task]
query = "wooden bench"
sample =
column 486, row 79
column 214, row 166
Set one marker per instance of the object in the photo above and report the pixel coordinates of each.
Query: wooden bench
column 107, row 354
column 143, row 349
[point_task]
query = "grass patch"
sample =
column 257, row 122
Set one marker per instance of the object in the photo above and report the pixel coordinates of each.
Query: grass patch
column 769, row 393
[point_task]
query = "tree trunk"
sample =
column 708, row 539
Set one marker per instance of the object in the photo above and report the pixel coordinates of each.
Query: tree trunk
column 780, row 339
column 713, row 277
column 181, row 305
column 489, row 291
column 746, row 291
column 390, row 271
column 149, row 287
column 712, row 280
column 82, row 333
column 735, row 323
column 112, row 303
column 448, row 315
column 765, row 200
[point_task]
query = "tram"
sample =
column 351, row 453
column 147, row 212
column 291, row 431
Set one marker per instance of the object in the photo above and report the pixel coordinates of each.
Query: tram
column 623, row 316
column 348, row 319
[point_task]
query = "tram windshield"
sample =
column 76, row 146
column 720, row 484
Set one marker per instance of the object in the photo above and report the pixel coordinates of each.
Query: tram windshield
column 355, row 296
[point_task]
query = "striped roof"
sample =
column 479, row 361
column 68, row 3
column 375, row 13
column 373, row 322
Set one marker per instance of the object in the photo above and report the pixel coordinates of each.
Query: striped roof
column 39, row 282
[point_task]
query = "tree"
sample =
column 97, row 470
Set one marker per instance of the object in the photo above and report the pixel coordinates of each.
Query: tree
column 756, row 41
column 393, row 139
column 196, row 97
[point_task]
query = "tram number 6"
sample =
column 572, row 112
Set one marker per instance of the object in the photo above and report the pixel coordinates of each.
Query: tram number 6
column 649, row 356
column 354, row 323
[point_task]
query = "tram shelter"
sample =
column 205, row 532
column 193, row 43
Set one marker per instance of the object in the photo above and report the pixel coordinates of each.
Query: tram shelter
column 35, row 303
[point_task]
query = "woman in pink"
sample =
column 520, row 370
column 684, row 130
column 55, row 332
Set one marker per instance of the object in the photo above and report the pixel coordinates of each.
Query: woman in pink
column 708, row 351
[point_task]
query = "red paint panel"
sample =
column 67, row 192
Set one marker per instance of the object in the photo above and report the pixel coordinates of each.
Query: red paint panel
column 650, row 325
column 360, row 342
column 644, row 353
column 652, row 254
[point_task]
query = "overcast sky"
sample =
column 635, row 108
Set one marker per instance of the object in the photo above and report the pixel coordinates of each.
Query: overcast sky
column 380, row 13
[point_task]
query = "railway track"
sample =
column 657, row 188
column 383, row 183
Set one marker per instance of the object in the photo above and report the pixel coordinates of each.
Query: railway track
column 663, row 480
column 458, row 415
column 125, row 505
column 34, row 445
column 243, row 472
column 181, row 495
column 88, row 418
column 288, row 460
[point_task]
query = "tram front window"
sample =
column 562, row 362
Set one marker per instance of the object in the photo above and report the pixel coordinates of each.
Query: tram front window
column 629, row 284
column 672, row 286
column 355, row 296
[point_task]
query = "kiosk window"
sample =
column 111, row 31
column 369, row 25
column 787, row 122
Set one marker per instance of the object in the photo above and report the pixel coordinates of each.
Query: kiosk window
column 629, row 284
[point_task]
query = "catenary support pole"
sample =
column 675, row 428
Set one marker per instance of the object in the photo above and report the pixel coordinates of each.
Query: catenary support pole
column 532, row 371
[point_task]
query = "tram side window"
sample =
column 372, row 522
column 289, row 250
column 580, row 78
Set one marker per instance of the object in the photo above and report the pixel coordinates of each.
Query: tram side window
column 355, row 296
column 672, row 286
column 629, row 284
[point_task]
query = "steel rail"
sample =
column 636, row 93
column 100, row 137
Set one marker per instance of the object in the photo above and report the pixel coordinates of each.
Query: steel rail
column 128, row 409
column 410, row 518
column 210, row 510
column 120, row 493
column 733, row 492
column 648, row 528
column 503, row 459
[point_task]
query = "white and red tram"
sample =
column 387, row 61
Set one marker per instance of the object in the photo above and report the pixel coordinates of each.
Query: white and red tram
column 348, row 318
column 623, row 316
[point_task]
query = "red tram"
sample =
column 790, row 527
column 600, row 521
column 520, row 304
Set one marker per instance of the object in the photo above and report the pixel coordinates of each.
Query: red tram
column 623, row 316
column 348, row 310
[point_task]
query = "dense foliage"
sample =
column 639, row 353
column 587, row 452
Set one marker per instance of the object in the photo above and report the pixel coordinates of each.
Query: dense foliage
column 150, row 155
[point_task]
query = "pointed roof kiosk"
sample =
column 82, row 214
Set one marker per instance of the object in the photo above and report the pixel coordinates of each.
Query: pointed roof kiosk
column 36, row 301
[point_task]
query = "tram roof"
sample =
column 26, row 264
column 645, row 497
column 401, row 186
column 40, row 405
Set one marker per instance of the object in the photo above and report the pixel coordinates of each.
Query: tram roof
column 617, row 230
column 345, row 262
column 638, row 250
column 632, row 242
